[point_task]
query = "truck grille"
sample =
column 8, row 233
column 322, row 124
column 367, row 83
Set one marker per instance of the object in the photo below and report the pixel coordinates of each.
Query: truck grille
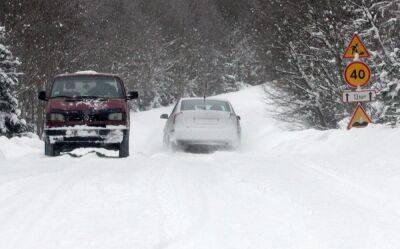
column 87, row 116
column 72, row 116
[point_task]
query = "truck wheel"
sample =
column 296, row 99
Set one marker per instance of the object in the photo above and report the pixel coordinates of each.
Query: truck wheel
column 124, row 146
column 51, row 149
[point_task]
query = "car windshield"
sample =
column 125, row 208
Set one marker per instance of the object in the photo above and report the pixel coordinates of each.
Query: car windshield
column 200, row 104
column 87, row 86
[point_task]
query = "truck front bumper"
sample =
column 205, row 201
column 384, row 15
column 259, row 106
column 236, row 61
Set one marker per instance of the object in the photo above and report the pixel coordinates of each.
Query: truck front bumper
column 86, row 135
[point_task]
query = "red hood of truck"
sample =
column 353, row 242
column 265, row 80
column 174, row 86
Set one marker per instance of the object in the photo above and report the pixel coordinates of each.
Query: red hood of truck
column 82, row 105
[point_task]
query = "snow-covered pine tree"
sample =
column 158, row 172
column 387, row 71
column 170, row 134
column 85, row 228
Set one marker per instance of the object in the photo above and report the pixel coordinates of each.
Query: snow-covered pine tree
column 380, row 24
column 240, row 64
column 309, row 65
column 10, row 122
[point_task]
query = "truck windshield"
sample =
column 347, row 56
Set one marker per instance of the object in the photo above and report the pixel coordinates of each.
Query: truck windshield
column 87, row 86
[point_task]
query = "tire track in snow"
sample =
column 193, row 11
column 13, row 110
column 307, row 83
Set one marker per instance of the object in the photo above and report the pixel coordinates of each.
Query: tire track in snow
column 33, row 228
column 14, row 201
column 173, row 186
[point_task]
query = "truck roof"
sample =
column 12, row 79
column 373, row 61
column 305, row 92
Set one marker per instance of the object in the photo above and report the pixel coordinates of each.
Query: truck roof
column 90, row 73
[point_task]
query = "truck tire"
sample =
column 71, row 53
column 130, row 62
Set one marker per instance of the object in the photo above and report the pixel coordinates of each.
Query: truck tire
column 124, row 146
column 50, row 149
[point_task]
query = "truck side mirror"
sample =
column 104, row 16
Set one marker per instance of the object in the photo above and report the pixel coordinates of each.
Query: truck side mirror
column 133, row 95
column 164, row 116
column 42, row 96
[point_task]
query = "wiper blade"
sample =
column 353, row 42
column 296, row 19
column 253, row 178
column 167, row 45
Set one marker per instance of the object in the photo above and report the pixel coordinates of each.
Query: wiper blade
column 89, row 97
column 79, row 97
column 92, row 97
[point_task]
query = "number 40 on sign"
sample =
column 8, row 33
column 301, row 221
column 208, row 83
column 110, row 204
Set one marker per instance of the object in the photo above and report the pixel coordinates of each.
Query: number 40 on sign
column 357, row 74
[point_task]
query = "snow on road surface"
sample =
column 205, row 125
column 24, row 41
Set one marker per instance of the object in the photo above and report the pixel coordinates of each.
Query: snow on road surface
column 281, row 189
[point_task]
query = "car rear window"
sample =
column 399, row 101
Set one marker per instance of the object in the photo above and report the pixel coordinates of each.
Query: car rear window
column 200, row 104
column 87, row 85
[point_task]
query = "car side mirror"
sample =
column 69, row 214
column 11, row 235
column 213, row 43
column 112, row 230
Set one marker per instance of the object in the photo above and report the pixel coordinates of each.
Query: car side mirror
column 133, row 95
column 42, row 96
column 164, row 116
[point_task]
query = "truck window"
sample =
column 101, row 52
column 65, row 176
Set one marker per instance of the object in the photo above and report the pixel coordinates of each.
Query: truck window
column 87, row 86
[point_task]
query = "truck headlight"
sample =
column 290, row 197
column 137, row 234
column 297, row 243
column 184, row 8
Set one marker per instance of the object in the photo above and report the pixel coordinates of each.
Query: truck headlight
column 57, row 117
column 115, row 116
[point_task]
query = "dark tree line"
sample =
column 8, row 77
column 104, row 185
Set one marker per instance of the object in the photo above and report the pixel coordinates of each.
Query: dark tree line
column 167, row 49
column 164, row 49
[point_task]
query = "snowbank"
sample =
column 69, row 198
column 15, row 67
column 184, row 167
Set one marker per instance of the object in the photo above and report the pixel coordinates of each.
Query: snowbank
column 283, row 189
column 20, row 146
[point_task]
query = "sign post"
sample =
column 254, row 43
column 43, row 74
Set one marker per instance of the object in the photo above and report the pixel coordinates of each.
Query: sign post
column 357, row 74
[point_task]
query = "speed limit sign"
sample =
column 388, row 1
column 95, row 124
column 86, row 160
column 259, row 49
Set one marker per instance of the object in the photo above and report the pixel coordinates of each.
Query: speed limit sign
column 357, row 74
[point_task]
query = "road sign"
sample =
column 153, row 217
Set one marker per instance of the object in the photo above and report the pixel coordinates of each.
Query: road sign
column 357, row 74
column 359, row 96
column 360, row 118
column 356, row 46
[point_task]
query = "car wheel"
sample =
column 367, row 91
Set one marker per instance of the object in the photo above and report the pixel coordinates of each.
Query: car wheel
column 168, row 144
column 51, row 149
column 174, row 146
column 166, row 141
column 235, row 144
column 124, row 146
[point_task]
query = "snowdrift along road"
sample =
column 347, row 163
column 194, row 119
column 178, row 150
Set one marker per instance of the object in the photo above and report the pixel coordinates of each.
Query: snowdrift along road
column 299, row 189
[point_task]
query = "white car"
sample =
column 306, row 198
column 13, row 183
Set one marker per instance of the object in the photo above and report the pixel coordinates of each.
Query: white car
column 197, row 121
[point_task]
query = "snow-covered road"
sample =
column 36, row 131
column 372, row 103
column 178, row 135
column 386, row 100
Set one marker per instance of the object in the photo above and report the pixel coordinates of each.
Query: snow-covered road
column 282, row 189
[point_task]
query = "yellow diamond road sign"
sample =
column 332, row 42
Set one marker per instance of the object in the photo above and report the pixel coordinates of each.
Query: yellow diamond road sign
column 356, row 46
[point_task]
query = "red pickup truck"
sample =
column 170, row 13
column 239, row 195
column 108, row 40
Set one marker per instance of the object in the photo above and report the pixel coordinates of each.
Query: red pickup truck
column 86, row 109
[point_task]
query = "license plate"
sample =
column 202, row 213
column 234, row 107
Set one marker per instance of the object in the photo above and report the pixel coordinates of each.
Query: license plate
column 206, row 121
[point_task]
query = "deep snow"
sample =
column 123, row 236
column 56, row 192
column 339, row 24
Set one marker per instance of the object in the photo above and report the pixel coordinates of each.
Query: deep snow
column 282, row 189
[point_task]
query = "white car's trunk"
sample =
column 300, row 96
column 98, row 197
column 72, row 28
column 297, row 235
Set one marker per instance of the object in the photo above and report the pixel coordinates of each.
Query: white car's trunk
column 205, row 118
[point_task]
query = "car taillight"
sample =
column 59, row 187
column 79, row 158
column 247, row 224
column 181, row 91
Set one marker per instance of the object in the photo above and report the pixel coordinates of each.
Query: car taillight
column 176, row 116
column 234, row 118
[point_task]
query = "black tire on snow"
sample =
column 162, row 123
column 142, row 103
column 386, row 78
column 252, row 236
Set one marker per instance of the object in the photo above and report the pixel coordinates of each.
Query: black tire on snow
column 50, row 149
column 166, row 141
column 173, row 146
column 124, row 146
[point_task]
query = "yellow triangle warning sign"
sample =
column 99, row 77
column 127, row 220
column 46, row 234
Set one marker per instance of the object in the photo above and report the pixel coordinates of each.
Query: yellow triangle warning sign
column 356, row 46
column 360, row 118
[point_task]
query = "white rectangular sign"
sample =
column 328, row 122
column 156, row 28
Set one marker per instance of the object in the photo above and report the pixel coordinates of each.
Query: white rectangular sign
column 359, row 96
